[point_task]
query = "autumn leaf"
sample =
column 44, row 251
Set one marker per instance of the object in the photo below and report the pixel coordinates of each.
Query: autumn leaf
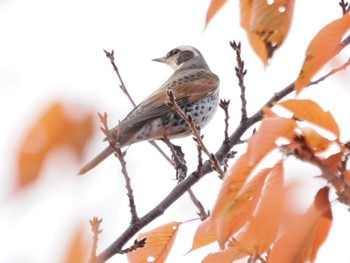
column 302, row 238
column 333, row 162
column 323, row 47
column 205, row 234
column 230, row 254
column 309, row 110
column 54, row 128
column 263, row 228
column 77, row 249
column 233, row 183
column 263, row 141
column 239, row 210
column 159, row 241
column 267, row 24
column 215, row 6
column 314, row 140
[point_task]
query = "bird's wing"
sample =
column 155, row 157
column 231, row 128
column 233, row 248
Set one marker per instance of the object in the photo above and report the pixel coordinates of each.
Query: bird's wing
column 187, row 88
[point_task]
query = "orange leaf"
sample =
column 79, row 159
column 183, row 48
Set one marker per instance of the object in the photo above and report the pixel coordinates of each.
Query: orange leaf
column 230, row 254
column 267, row 24
column 314, row 140
column 333, row 162
column 264, row 226
column 346, row 174
column 205, row 234
column 214, row 7
column 239, row 210
column 158, row 244
column 323, row 47
column 233, row 183
column 55, row 128
column 309, row 110
column 303, row 238
column 255, row 41
column 77, row 249
column 263, row 141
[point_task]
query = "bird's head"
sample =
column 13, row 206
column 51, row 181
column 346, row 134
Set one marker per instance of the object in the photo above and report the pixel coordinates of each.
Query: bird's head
column 183, row 55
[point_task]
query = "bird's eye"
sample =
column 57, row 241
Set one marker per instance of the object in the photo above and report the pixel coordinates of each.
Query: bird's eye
column 173, row 52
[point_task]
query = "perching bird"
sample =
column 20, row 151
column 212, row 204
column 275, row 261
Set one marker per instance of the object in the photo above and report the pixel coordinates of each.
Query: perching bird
column 196, row 91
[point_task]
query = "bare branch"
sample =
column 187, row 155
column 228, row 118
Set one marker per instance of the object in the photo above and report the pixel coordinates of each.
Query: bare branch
column 240, row 73
column 344, row 6
column 332, row 72
column 224, row 105
column 137, row 244
column 95, row 227
column 114, row 143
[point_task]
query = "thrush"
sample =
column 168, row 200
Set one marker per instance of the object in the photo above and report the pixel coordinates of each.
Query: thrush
column 196, row 91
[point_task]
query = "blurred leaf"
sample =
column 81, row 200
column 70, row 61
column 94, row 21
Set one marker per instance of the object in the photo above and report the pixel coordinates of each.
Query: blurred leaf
column 333, row 162
column 78, row 250
column 215, row 6
column 158, row 244
column 267, row 24
column 233, row 183
column 309, row 110
column 323, row 47
column 302, row 238
column 231, row 253
column 263, row 228
column 54, row 128
column 263, row 141
column 239, row 210
column 314, row 140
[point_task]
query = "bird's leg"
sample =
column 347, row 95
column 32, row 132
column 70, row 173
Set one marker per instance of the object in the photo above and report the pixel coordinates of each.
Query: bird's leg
column 179, row 159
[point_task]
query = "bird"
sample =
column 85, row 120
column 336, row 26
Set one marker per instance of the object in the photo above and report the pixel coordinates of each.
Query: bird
column 196, row 91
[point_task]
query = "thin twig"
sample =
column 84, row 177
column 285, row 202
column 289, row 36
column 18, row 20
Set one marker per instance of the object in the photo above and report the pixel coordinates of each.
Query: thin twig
column 195, row 131
column 95, row 227
column 203, row 214
column 113, row 141
column 137, row 244
column 332, row 72
column 110, row 56
column 179, row 160
column 240, row 73
column 224, row 105
column 344, row 6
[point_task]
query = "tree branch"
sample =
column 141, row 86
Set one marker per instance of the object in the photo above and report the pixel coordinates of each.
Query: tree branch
column 221, row 155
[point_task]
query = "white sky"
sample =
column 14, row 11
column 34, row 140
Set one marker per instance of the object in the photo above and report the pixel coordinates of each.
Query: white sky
column 52, row 50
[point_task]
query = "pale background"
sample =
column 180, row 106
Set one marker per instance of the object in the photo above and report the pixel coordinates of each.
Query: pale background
column 52, row 50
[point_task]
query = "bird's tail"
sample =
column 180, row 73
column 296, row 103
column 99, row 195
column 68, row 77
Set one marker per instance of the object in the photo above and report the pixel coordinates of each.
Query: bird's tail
column 94, row 162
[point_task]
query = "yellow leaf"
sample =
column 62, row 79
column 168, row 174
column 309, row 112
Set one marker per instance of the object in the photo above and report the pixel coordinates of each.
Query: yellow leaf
column 323, row 47
column 309, row 110
column 215, row 6
column 158, row 244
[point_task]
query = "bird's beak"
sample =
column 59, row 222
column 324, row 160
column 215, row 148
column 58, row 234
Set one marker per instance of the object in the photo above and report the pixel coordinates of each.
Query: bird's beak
column 162, row 60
